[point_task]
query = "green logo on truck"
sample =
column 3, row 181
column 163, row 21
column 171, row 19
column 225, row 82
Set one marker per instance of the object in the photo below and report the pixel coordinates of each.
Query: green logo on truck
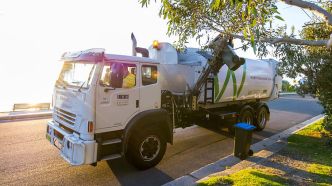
column 236, row 91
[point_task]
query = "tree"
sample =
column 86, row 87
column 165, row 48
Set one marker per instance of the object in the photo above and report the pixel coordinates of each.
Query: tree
column 287, row 87
column 314, row 63
column 244, row 19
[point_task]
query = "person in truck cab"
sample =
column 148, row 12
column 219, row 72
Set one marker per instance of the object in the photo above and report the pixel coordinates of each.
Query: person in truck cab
column 129, row 79
column 107, row 77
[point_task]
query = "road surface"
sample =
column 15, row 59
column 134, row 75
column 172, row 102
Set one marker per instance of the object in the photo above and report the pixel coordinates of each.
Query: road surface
column 27, row 158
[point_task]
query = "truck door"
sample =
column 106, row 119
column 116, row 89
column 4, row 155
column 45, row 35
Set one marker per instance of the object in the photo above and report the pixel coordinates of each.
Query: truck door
column 117, row 97
column 150, row 91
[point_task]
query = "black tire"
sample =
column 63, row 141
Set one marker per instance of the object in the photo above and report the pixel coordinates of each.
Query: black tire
column 246, row 115
column 146, row 149
column 251, row 152
column 261, row 118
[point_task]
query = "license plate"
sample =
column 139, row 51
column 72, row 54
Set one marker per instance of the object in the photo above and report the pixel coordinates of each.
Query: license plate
column 57, row 144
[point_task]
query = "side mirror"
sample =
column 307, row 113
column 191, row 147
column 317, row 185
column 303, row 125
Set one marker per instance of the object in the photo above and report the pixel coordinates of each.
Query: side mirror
column 107, row 87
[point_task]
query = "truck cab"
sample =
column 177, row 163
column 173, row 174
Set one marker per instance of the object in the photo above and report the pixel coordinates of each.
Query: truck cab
column 101, row 100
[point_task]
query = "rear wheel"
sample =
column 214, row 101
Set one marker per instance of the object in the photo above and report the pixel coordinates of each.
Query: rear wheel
column 261, row 119
column 247, row 115
column 146, row 149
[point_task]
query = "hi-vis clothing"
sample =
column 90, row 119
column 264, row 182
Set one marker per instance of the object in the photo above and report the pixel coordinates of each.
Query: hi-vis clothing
column 129, row 81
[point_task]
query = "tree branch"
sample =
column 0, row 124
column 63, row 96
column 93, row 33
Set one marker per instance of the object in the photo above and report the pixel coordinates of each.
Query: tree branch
column 287, row 40
column 329, row 42
column 319, row 11
column 303, row 4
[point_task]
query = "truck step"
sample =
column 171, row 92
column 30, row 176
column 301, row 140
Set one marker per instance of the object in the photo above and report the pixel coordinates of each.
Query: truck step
column 112, row 141
column 111, row 157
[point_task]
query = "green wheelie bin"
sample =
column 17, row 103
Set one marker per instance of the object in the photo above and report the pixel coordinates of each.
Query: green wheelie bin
column 243, row 138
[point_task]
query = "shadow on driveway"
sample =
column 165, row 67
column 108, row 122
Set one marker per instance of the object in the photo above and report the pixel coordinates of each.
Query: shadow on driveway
column 128, row 175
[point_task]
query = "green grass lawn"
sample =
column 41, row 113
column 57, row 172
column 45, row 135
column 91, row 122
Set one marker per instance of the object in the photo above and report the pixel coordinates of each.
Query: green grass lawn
column 249, row 176
column 309, row 145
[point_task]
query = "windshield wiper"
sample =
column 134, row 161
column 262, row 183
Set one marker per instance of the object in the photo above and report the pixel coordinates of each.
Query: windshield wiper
column 79, row 89
column 86, row 80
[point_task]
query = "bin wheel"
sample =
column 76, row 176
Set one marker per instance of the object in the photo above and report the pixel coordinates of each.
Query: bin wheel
column 251, row 153
column 261, row 119
column 146, row 149
column 243, row 157
column 247, row 115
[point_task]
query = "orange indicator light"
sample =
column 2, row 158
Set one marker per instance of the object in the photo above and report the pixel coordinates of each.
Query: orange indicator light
column 155, row 44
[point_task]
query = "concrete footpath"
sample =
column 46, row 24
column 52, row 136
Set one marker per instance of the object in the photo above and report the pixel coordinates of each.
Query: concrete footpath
column 22, row 115
column 262, row 149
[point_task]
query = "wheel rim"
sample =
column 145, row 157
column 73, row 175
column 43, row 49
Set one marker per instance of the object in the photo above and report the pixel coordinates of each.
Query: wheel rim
column 149, row 148
column 262, row 118
column 247, row 118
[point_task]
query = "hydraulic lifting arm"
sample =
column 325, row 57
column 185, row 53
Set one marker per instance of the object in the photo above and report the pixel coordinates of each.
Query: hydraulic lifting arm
column 222, row 54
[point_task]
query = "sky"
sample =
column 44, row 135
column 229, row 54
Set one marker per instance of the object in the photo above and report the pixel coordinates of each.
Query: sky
column 35, row 33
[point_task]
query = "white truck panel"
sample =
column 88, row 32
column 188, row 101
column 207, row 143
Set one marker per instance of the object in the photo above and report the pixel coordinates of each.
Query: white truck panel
column 166, row 53
column 176, row 77
column 253, row 80
column 256, row 79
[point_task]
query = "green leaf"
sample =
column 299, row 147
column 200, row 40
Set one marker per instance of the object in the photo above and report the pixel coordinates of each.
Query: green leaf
column 257, row 33
column 145, row 3
column 254, row 22
column 253, row 44
column 254, row 11
column 243, row 15
column 275, row 10
column 245, row 33
column 239, row 6
column 215, row 4
column 232, row 2
column 264, row 11
column 280, row 18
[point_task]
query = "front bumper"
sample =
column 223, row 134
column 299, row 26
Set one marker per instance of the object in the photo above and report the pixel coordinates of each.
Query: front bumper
column 73, row 149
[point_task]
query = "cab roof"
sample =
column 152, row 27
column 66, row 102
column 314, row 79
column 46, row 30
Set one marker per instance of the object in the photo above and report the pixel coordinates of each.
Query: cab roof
column 98, row 55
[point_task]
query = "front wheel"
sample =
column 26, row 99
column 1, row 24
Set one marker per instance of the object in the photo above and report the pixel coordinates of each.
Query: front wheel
column 146, row 149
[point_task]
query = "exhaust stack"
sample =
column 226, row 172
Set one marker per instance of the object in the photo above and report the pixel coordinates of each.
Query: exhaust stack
column 135, row 49
column 134, row 44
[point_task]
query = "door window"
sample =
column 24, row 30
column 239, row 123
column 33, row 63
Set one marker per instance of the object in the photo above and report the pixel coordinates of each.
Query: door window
column 149, row 74
column 118, row 75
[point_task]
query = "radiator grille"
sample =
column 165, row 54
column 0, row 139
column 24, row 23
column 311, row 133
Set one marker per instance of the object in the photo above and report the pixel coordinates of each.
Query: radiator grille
column 65, row 116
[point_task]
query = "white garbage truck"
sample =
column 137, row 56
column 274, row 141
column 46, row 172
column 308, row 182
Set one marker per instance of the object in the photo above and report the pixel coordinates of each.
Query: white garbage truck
column 108, row 106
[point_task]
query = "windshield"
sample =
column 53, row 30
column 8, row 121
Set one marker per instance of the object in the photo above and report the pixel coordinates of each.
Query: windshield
column 76, row 74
